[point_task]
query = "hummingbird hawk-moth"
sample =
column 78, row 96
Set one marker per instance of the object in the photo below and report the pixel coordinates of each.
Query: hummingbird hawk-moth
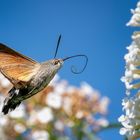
column 27, row 76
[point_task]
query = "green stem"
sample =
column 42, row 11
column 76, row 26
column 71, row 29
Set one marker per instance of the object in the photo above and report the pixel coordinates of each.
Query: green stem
column 78, row 130
column 111, row 125
column 51, row 132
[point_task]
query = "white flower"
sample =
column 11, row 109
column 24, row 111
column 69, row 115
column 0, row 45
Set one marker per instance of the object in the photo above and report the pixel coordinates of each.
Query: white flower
column 61, row 87
column 136, row 43
column 127, row 103
column 32, row 118
column 86, row 88
column 1, row 101
column 67, row 105
column 1, row 77
column 79, row 114
column 104, row 104
column 4, row 82
column 40, row 135
column 124, row 131
column 71, row 89
column 59, row 125
column 19, row 112
column 132, row 59
column 131, row 105
column 45, row 115
column 54, row 100
column 20, row 128
column 131, row 119
column 126, row 122
column 102, row 122
column 135, row 19
column 3, row 118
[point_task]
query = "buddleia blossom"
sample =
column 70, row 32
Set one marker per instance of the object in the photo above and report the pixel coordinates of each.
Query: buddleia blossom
column 132, row 59
column 58, row 108
column 135, row 19
column 130, row 120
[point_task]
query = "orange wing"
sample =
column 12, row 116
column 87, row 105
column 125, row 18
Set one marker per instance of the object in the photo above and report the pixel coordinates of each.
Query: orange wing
column 18, row 68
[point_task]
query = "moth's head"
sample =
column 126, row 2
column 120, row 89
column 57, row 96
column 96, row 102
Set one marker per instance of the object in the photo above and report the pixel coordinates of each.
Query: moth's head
column 56, row 63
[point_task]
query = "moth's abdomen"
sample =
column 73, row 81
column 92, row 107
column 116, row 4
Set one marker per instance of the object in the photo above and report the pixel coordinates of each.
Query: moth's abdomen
column 9, row 102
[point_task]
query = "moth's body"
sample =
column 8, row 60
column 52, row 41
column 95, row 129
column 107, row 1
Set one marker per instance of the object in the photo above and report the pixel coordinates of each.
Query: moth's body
column 38, row 82
column 27, row 76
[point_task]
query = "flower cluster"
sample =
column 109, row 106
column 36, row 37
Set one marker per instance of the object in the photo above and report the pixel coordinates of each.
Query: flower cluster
column 131, row 120
column 58, row 111
column 131, row 104
column 135, row 19
column 132, row 59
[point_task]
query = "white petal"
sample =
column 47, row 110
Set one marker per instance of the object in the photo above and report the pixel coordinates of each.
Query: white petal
column 54, row 100
column 123, row 131
column 45, row 115
column 19, row 112
column 59, row 125
column 40, row 135
column 20, row 128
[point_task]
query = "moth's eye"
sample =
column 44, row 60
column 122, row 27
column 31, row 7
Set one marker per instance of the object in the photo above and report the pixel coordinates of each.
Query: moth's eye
column 56, row 62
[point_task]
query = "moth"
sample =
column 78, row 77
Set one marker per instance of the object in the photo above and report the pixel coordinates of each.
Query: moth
column 27, row 75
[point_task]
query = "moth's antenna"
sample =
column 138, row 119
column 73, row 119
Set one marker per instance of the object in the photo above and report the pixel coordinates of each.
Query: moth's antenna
column 73, row 68
column 58, row 42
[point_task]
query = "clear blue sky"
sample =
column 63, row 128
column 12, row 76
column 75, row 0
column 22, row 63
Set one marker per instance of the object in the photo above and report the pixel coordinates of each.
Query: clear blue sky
column 92, row 27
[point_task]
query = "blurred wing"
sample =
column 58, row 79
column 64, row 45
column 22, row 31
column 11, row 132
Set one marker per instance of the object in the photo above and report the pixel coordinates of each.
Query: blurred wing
column 18, row 68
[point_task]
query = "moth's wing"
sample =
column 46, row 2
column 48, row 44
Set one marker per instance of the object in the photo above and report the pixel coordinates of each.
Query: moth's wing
column 18, row 68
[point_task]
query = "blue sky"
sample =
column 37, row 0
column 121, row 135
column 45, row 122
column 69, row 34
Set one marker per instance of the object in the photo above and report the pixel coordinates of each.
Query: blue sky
column 92, row 27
